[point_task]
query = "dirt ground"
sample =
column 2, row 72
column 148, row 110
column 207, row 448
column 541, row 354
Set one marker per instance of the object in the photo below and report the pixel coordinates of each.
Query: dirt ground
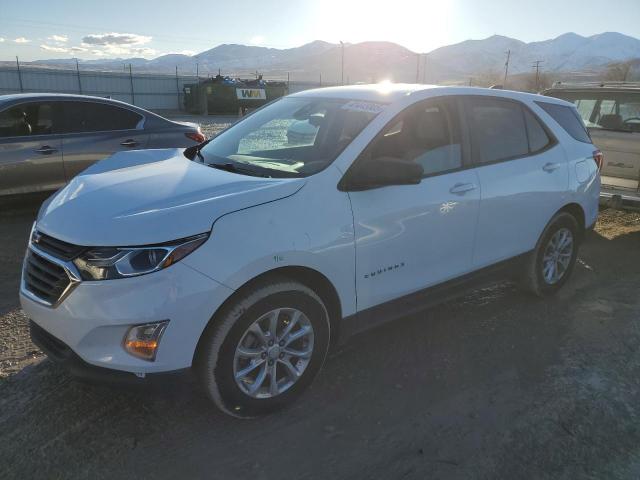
column 494, row 385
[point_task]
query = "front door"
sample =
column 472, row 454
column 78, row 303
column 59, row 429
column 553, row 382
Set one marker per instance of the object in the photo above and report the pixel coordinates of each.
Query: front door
column 30, row 154
column 616, row 131
column 409, row 237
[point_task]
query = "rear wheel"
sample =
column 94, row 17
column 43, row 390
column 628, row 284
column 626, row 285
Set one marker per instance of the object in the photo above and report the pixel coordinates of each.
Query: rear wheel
column 265, row 349
column 551, row 263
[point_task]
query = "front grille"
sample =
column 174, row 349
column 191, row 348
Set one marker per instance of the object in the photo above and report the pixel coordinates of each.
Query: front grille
column 44, row 279
column 57, row 248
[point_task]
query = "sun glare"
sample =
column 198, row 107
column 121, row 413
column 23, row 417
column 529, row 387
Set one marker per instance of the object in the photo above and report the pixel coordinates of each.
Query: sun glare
column 417, row 25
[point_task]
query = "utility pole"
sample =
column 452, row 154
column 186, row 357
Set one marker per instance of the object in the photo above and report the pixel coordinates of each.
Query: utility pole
column 19, row 74
column 79, row 82
column 342, row 63
column 506, row 69
column 424, row 70
column 536, row 65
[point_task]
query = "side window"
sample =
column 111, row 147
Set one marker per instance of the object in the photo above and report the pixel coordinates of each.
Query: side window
column 427, row 134
column 538, row 138
column 629, row 110
column 568, row 119
column 27, row 119
column 96, row 117
column 585, row 108
column 497, row 129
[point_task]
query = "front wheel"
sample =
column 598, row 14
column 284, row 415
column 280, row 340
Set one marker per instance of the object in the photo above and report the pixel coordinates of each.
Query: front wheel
column 265, row 349
column 550, row 265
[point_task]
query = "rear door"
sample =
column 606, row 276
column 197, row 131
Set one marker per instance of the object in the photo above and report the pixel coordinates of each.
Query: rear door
column 523, row 176
column 30, row 153
column 93, row 131
column 616, row 131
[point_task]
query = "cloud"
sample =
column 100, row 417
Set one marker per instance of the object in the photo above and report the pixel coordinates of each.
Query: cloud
column 1, row 39
column 22, row 40
column 53, row 48
column 118, row 45
column 59, row 38
column 257, row 40
column 78, row 49
column 107, row 39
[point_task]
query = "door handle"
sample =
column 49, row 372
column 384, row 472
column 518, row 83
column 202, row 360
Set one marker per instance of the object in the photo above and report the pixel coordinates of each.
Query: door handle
column 550, row 167
column 462, row 188
column 46, row 150
column 129, row 143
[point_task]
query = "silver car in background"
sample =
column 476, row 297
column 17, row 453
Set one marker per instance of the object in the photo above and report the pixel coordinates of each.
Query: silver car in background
column 611, row 112
column 47, row 139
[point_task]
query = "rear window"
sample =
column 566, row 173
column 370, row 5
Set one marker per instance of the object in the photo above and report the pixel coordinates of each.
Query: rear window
column 569, row 120
column 80, row 117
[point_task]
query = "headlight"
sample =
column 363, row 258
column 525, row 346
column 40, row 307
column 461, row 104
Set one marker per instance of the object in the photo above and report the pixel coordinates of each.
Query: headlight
column 107, row 263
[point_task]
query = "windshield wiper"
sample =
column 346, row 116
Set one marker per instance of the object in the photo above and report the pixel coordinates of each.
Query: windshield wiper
column 192, row 152
column 230, row 167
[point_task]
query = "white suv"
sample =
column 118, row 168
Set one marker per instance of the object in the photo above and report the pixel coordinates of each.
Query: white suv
column 247, row 257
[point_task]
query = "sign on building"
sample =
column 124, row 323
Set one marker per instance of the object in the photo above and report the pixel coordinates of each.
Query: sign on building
column 251, row 93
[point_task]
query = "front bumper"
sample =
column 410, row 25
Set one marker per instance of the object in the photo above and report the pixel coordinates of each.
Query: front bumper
column 67, row 358
column 92, row 320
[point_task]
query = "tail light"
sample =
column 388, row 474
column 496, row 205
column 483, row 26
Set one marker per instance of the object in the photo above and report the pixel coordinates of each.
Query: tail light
column 598, row 157
column 197, row 137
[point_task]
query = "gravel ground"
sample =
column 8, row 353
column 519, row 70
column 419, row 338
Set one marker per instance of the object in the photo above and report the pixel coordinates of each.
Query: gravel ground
column 493, row 385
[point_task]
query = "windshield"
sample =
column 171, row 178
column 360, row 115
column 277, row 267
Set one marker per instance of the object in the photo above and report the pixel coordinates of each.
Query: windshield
column 292, row 137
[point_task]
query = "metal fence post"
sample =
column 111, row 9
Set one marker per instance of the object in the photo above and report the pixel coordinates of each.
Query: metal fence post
column 178, row 89
column 19, row 75
column 79, row 82
column 133, row 97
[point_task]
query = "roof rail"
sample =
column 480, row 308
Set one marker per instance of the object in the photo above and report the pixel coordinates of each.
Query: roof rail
column 603, row 84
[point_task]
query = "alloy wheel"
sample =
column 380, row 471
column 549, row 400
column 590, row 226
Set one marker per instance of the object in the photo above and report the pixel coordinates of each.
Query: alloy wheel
column 273, row 353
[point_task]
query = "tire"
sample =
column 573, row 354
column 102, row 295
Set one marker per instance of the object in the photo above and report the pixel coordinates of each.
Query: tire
column 535, row 277
column 218, row 359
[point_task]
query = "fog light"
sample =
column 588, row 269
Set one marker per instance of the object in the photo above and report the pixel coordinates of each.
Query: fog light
column 142, row 340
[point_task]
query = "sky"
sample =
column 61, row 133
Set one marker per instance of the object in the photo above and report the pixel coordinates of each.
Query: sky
column 90, row 29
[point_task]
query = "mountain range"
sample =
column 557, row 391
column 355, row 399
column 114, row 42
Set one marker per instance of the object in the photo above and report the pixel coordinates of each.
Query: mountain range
column 373, row 61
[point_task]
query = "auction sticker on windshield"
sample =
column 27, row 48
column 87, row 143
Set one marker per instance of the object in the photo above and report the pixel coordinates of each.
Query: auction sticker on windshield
column 368, row 107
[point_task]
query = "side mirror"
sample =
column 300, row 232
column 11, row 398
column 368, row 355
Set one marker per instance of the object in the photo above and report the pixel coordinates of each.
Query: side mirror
column 380, row 172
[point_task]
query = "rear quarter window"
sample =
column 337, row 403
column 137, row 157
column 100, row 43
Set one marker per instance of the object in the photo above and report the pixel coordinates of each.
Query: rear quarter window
column 568, row 118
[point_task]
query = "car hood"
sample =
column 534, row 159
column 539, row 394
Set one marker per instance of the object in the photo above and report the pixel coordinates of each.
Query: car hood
column 151, row 196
